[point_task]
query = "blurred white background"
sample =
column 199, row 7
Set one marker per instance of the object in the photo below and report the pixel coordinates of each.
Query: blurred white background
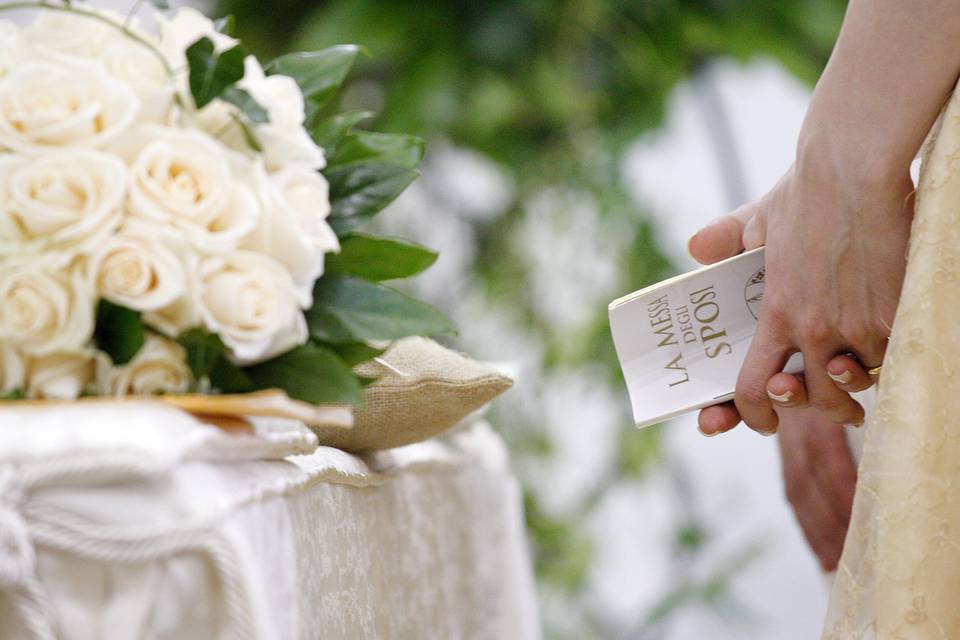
column 736, row 477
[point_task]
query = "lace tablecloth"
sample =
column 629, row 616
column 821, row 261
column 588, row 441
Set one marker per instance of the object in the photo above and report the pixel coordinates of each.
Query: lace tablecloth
column 137, row 522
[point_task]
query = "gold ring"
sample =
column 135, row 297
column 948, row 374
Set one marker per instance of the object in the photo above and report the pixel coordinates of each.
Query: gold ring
column 875, row 371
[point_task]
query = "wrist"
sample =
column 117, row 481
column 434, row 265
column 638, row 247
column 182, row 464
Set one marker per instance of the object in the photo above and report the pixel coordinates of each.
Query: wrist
column 869, row 162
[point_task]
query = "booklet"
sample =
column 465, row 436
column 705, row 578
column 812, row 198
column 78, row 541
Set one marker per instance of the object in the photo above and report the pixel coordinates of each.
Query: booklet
column 681, row 342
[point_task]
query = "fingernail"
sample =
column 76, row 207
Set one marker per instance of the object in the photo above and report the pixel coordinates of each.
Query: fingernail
column 768, row 434
column 856, row 425
column 842, row 378
column 708, row 435
column 784, row 398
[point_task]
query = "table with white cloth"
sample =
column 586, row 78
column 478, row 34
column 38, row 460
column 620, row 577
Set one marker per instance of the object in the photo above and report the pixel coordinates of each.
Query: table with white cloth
column 134, row 520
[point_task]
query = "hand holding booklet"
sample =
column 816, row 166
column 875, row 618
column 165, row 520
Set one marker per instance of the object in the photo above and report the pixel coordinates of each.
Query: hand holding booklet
column 681, row 342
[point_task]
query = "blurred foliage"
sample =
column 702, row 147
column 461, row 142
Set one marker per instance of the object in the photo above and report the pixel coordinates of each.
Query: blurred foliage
column 553, row 91
column 711, row 591
column 562, row 554
column 513, row 78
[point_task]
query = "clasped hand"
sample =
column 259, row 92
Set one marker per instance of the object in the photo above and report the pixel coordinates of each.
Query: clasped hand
column 835, row 260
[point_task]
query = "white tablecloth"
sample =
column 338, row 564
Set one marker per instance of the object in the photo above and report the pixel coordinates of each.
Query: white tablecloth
column 139, row 523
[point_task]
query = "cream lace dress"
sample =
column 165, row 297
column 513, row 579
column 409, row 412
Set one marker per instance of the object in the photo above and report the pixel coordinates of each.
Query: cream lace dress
column 899, row 577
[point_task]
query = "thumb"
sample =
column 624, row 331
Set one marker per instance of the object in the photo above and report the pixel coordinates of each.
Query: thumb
column 722, row 238
column 755, row 230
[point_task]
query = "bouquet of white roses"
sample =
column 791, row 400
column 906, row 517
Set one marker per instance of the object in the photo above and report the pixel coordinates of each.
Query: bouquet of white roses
column 175, row 217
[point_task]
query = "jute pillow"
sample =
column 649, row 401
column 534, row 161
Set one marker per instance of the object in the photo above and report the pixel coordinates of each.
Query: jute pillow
column 422, row 389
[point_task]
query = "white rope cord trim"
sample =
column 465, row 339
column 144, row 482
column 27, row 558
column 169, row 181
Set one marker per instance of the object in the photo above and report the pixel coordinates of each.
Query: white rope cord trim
column 18, row 561
column 65, row 532
column 31, row 601
column 61, row 534
column 100, row 469
column 18, row 565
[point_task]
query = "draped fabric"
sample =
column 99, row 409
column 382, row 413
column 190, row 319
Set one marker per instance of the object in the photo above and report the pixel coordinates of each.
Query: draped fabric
column 899, row 576
column 137, row 522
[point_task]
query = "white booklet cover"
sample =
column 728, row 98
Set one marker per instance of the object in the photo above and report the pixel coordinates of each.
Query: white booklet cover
column 681, row 342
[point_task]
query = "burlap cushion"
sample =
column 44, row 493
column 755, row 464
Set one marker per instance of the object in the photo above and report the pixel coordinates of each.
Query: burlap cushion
column 422, row 390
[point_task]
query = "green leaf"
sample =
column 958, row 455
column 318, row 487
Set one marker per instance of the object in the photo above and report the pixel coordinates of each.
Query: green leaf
column 229, row 378
column 366, row 170
column 211, row 73
column 379, row 258
column 163, row 5
column 227, row 25
column 354, row 353
column 359, row 192
column 366, row 147
column 319, row 73
column 119, row 332
column 348, row 309
column 14, row 394
column 328, row 133
column 203, row 350
column 241, row 99
column 309, row 373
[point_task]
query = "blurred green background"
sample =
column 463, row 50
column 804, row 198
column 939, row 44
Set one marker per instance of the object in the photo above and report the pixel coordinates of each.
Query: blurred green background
column 528, row 108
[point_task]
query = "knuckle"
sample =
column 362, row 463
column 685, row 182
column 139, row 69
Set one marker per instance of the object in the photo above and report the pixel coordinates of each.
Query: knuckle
column 752, row 395
column 830, row 406
column 775, row 310
column 814, row 329
column 867, row 339
column 764, row 428
column 754, row 232
column 762, row 424
column 861, row 336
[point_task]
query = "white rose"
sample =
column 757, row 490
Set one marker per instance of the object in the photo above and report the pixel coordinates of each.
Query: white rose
column 178, row 316
column 44, row 308
column 59, row 201
column 283, row 147
column 46, row 105
column 280, row 95
column 293, row 228
column 159, row 367
column 250, row 301
column 60, row 36
column 11, row 47
column 72, row 34
column 140, row 268
column 284, row 140
column 183, row 178
column 185, row 27
column 218, row 119
column 143, row 72
column 59, row 376
column 12, row 369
